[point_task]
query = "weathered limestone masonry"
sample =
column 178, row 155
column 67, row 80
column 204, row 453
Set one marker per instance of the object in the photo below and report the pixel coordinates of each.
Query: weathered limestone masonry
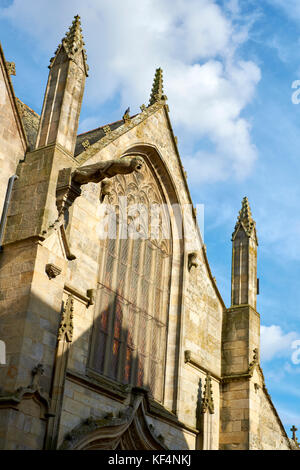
column 243, row 392
column 118, row 343
column 13, row 143
column 31, row 305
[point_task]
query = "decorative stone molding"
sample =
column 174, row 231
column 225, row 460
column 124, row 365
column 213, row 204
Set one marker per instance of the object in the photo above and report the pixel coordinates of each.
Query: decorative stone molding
column 194, row 362
column 65, row 330
column 128, row 430
column 52, row 270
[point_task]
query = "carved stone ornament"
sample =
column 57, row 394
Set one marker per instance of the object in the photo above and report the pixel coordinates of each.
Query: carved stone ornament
column 11, row 68
column 107, row 130
column 52, row 270
column 254, row 363
column 207, row 400
column 99, row 171
column 187, row 355
column 193, row 260
column 86, row 144
column 34, row 390
column 66, row 325
column 296, row 445
column 106, row 186
column 126, row 430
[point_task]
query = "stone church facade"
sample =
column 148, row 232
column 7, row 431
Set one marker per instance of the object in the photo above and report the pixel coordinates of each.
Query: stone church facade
column 119, row 342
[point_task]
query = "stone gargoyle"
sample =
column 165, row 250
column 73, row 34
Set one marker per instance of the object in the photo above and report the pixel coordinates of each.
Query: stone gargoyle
column 99, row 171
column 69, row 183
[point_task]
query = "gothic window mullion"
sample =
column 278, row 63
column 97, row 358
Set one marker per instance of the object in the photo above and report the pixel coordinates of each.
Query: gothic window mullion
column 111, row 318
column 133, row 307
column 125, row 326
column 148, row 325
column 140, row 339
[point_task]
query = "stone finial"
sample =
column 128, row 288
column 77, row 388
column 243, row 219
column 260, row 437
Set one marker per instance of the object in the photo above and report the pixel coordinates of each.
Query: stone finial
column 245, row 218
column 73, row 40
column 157, row 87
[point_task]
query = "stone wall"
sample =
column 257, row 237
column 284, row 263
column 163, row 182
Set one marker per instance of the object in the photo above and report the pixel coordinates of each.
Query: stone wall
column 266, row 430
column 201, row 316
column 12, row 142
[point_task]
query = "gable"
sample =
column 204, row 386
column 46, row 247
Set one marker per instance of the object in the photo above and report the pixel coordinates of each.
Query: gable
column 151, row 128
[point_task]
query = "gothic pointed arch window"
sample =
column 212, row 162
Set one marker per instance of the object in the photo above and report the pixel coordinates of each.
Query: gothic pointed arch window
column 130, row 332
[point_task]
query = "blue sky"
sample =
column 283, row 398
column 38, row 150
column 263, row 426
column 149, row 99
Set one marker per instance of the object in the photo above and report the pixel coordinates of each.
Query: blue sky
column 228, row 73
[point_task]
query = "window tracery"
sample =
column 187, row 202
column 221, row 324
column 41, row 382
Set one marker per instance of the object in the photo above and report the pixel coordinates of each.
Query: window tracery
column 131, row 326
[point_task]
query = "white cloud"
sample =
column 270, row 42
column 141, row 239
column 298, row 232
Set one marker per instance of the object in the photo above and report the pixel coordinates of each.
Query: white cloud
column 275, row 343
column 196, row 44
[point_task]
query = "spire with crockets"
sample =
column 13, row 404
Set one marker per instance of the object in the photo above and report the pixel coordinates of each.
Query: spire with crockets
column 244, row 285
column 72, row 42
column 245, row 218
column 157, row 87
column 68, row 71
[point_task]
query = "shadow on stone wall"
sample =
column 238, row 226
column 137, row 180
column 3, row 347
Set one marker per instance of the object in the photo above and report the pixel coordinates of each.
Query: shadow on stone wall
column 35, row 386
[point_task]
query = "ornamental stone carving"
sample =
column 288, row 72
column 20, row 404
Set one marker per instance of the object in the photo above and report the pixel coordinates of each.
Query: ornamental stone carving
column 52, row 270
column 99, row 171
column 66, row 325
column 207, row 400
column 193, row 260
